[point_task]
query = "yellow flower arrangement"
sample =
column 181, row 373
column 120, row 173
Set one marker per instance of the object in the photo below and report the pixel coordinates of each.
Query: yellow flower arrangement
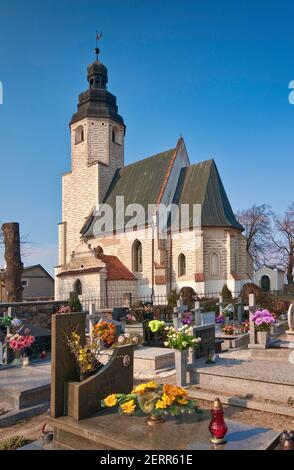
column 153, row 399
column 111, row 400
column 86, row 355
column 140, row 389
column 165, row 401
column 128, row 407
column 182, row 401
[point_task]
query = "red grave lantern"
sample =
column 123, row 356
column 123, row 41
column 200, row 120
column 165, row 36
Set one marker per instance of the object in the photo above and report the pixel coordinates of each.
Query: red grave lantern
column 217, row 426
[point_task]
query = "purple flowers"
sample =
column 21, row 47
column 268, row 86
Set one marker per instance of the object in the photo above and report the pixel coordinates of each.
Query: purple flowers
column 263, row 319
column 186, row 318
column 220, row 319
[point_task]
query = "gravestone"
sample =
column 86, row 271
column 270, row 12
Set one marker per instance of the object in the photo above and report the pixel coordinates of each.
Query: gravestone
column 240, row 310
column 69, row 396
column 290, row 331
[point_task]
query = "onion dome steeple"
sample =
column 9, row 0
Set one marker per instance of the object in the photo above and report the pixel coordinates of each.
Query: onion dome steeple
column 97, row 102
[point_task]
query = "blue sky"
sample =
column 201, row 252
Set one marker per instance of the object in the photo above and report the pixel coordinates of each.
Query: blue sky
column 215, row 72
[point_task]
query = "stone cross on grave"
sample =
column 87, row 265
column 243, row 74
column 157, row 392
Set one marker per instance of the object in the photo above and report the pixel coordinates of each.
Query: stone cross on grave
column 177, row 313
column 251, row 308
column 196, row 313
column 240, row 309
column 290, row 317
column 220, row 305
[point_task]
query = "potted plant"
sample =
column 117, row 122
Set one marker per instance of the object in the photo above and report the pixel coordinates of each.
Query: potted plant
column 153, row 399
column 262, row 320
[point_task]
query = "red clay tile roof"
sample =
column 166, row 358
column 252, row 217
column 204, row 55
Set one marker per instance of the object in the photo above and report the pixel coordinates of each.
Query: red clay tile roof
column 116, row 270
column 80, row 271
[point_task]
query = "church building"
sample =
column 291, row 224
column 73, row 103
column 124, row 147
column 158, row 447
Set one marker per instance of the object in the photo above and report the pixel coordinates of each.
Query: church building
column 132, row 263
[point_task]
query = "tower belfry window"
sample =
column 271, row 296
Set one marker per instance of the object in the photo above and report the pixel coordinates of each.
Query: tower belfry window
column 79, row 134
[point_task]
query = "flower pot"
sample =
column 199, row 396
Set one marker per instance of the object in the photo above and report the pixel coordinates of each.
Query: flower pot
column 153, row 420
column 262, row 337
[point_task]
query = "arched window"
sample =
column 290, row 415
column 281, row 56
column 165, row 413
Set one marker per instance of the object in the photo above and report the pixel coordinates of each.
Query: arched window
column 78, row 287
column 137, row 256
column 182, row 265
column 214, row 264
column 79, row 134
column 265, row 283
column 116, row 135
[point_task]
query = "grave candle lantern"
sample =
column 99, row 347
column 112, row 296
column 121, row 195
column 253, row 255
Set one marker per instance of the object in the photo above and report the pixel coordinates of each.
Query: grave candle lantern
column 217, row 426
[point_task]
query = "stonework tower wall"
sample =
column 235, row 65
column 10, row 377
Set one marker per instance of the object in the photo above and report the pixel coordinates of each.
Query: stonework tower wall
column 94, row 162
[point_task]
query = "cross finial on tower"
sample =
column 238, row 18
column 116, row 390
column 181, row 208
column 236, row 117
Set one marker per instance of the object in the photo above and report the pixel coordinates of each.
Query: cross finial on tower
column 97, row 50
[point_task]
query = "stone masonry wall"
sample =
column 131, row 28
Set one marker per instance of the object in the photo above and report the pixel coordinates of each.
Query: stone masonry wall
column 84, row 187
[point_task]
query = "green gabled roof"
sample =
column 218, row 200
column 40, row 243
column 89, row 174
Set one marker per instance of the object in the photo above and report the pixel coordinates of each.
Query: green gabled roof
column 140, row 183
column 201, row 184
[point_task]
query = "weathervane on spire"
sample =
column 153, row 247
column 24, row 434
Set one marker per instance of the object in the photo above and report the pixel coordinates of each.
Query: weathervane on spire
column 97, row 50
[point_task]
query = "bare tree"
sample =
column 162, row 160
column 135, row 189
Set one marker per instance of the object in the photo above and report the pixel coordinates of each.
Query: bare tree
column 14, row 266
column 283, row 242
column 257, row 222
column 25, row 245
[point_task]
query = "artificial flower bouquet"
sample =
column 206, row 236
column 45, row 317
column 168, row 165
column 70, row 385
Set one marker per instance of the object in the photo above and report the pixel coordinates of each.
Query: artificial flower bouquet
column 245, row 326
column 86, row 355
column 220, row 319
column 126, row 339
column 186, row 318
column 64, row 309
column 181, row 339
column 20, row 342
column 130, row 318
column 263, row 320
column 153, row 399
column 106, row 332
column 228, row 329
column 156, row 325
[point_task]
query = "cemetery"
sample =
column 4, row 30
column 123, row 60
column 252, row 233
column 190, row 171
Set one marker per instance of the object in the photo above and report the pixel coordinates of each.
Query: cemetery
column 171, row 327
column 155, row 371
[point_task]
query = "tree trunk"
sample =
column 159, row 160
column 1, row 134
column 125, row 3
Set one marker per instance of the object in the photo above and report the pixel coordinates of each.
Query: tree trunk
column 13, row 284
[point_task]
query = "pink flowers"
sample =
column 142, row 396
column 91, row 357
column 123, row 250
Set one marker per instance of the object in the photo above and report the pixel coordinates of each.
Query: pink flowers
column 130, row 317
column 263, row 320
column 20, row 342
column 64, row 309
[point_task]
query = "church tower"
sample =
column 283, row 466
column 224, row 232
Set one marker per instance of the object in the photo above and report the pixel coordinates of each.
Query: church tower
column 97, row 151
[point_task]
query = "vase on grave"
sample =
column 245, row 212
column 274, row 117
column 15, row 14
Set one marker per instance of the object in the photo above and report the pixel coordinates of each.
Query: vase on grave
column 181, row 360
column 17, row 361
column 153, row 420
column 262, row 337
